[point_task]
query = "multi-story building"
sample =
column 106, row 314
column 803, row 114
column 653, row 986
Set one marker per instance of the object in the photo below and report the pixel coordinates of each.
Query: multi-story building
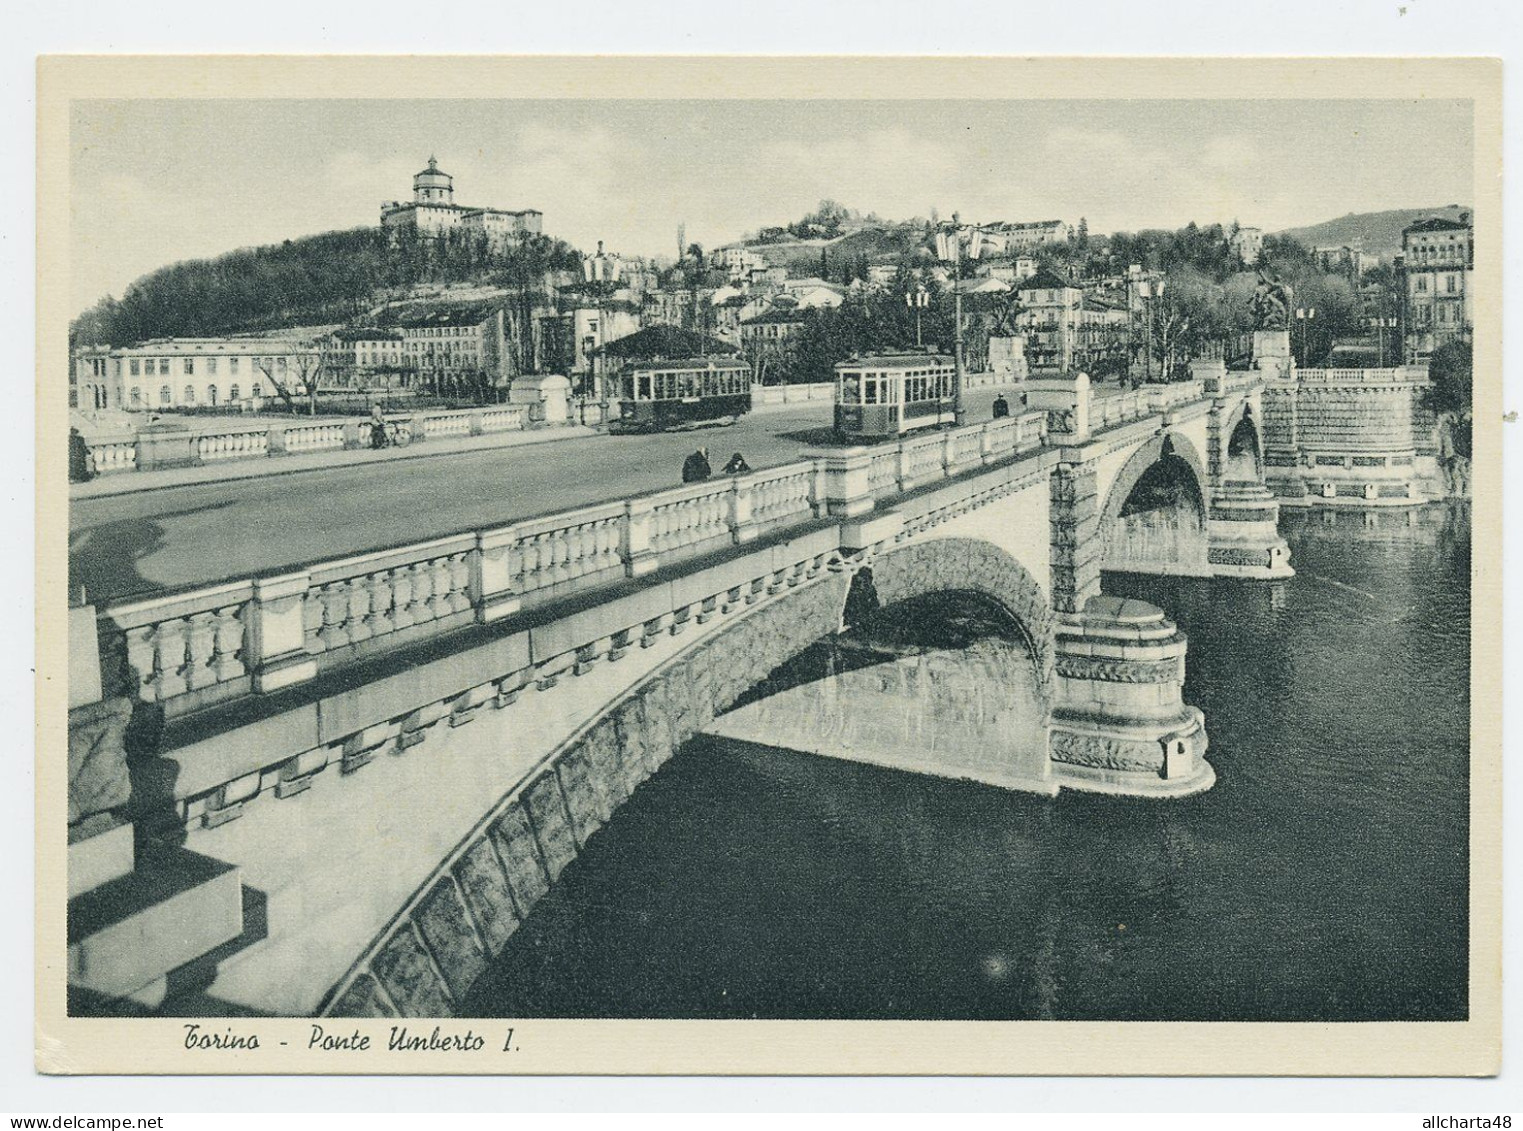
column 212, row 372
column 1066, row 331
column 766, row 339
column 450, row 347
column 1436, row 268
column 1247, row 244
column 90, row 380
column 1342, row 260
column 594, row 321
column 433, row 213
column 1035, row 233
column 367, row 357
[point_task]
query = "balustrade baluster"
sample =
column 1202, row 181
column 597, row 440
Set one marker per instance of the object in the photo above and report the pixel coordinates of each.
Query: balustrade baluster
column 141, row 649
column 335, row 601
column 459, row 582
column 357, row 620
column 169, row 659
column 422, row 606
column 228, row 661
column 380, row 622
column 312, row 620
column 401, row 597
column 438, row 602
column 200, row 649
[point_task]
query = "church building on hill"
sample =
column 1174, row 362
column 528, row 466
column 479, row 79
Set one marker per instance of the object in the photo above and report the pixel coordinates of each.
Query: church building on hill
column 432, row 212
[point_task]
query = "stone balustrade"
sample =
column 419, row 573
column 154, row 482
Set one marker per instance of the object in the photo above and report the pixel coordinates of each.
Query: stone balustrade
column 1398, row 375
column 211, row 447
column 192, row 646
column 188, row 650
column 108, row 456
column 294, row 436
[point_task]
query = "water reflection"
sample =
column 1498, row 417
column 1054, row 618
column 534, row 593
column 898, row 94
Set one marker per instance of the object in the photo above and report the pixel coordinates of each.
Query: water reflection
column 1324, row 877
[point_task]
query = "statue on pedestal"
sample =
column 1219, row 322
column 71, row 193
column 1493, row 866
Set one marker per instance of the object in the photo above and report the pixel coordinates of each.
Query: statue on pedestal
column 1271, row 304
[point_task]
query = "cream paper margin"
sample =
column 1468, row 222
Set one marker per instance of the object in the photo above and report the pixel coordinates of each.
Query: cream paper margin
column 555, row 1047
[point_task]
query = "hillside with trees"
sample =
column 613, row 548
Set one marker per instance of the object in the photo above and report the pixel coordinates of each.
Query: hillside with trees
column 329, row 278
column 1377, row 233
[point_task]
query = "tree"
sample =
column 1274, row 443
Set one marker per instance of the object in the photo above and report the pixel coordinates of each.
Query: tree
column 308, row 363
column 1449, row 374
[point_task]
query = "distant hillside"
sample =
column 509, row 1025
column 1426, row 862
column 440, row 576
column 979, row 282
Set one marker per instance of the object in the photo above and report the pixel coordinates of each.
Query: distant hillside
column 1378, row 233
column 328, row 278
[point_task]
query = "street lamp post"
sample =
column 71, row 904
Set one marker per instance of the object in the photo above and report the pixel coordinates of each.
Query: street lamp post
column 959, row 413
column 1305, row 315
column 917, row 302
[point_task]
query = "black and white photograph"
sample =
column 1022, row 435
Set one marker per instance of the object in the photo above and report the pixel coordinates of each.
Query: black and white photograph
column 994, row 552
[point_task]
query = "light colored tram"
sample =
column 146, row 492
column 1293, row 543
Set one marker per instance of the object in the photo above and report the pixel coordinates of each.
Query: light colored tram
column 884, row 395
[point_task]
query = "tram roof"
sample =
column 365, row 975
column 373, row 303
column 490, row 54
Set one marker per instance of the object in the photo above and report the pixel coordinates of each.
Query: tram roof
column 894, row 361
column 692, row 363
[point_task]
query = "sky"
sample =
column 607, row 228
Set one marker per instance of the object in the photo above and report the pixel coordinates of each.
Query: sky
column 157, row 181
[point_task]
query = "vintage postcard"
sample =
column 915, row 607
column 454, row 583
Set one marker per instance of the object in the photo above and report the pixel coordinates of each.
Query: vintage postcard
column 769, row 566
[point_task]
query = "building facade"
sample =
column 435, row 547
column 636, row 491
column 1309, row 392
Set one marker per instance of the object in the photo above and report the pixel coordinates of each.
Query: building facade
column 453, row 347
column 1436, row 268
column 1065, row 330
column 433, row 213
column 177, row 373
column 367, row 357
column 1247, row 244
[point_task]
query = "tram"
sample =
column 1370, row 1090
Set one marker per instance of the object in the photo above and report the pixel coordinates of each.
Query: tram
column 883, row 395
column 667, row 396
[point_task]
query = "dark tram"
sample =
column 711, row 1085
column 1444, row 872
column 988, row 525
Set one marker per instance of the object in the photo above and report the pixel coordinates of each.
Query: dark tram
column 666, row 396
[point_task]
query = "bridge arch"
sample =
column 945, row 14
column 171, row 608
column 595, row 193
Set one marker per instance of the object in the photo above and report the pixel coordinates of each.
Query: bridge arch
column 967, row 565
column 1244, row 462
column 427, row 959
column 1155, row 517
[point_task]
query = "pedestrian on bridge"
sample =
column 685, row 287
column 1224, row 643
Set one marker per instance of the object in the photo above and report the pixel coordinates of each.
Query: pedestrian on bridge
column 1001, row 407
column 737, row 465
column 695, row 469
column 377, row 427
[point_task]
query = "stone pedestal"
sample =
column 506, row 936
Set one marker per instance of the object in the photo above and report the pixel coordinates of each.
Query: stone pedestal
column 1118, row 722
column 547, row 397
column 166, row 445
column 1245, row 533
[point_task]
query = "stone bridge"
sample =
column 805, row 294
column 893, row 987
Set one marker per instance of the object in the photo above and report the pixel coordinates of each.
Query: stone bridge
column 345, row 786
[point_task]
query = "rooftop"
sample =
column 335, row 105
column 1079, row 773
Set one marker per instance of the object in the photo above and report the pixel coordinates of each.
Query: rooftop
column 1044, row 280
column 1436, row 224
column 451, row 314
column 656, row 343
column 895, row 360
column 776, row 315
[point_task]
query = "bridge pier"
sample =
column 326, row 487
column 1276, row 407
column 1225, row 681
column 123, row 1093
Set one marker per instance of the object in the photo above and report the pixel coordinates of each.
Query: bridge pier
column 1119, row 723
column 1245, row 533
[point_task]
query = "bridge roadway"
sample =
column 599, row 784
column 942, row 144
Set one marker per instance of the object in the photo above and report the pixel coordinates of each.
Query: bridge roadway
column 139, row 544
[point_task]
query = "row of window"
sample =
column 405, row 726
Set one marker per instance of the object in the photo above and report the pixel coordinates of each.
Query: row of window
column 144, row 367
column 883, row 388
column 166, row 395
column 679, row 384
column 1451, row 284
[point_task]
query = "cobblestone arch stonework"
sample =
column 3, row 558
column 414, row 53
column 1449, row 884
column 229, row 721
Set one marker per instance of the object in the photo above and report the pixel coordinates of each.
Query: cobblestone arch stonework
column 967, row 565
column 427, row 960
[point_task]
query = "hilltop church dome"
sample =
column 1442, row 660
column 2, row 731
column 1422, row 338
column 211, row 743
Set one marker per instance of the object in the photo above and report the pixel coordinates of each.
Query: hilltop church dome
column 433, row 185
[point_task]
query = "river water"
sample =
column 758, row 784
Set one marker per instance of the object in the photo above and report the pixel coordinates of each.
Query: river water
column 1324, row 877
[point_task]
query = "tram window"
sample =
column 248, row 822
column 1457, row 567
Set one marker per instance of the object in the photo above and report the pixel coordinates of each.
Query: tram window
column 644, row 391
column 850, row 390
column 870, row 389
